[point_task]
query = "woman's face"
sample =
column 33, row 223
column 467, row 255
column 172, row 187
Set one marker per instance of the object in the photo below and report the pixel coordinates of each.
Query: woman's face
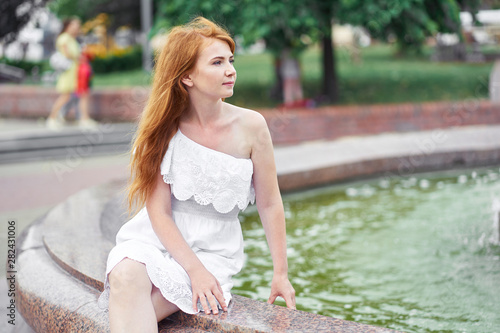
column 74, row 28
column 214, row 74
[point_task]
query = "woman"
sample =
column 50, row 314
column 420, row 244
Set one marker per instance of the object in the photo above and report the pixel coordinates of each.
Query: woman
column 66, row 84
column 196, row 162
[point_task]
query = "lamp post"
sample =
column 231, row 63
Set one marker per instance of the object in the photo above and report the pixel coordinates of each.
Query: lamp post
column 146, row 18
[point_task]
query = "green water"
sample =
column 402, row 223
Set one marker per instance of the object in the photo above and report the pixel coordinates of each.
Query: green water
column 416, row 254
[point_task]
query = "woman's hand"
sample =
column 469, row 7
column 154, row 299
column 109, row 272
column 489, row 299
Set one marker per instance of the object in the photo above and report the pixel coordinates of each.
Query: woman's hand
column 207, row 289
column 281, row 286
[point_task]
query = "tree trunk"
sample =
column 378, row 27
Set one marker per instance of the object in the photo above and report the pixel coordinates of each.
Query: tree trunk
column 330, row 82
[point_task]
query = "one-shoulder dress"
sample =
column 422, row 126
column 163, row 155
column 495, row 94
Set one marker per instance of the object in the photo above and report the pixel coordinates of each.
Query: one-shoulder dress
column 209, row 188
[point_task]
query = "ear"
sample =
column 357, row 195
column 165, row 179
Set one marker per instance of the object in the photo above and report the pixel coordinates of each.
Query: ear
column 187, row 81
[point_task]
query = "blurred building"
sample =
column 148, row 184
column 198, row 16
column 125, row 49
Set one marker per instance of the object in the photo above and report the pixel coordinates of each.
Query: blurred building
column 36, row 41
column 488, row 32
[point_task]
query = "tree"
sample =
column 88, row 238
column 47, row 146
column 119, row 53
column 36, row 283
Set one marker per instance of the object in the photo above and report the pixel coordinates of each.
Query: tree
column 325, row 11
column 282, row 24
column 121, row 12
column 15, row 15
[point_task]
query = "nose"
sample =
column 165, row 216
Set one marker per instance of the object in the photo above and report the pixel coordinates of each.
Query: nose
column 230, row 71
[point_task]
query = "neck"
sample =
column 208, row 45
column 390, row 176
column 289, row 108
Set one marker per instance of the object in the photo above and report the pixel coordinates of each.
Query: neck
column 204, row 112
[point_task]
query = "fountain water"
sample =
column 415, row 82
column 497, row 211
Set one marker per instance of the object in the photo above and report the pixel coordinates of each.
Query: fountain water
column 411, row 253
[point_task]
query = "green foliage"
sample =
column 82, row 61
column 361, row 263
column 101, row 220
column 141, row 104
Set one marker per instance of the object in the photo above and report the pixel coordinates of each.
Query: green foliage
column 282, row 24
column 83, row 9
column 26, row 64
column 120, row 12
column 118, row 62
column 176, row 12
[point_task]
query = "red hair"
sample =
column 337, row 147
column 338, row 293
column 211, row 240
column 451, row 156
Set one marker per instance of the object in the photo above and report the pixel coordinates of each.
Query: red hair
column 169, row 99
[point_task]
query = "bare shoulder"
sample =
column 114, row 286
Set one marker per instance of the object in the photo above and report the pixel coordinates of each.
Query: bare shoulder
column 253, row 131
column 249, row 120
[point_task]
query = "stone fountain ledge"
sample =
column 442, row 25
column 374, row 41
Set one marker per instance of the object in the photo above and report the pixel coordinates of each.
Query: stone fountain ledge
column 62, row 256
column 389, row 155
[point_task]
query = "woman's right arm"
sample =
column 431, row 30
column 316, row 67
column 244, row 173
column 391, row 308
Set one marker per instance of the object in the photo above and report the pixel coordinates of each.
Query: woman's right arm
column 204, row 285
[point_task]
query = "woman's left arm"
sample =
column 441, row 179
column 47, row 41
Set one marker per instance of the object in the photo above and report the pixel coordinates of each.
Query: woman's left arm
column 270, row 207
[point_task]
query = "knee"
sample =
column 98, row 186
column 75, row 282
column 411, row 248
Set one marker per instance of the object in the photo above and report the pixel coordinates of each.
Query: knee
column 129, row 276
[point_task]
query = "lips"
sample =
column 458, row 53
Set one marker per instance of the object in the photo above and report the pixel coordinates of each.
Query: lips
column 230, row 83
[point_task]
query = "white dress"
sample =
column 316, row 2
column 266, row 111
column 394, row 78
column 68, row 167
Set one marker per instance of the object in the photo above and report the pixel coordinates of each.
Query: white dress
column 209, row 188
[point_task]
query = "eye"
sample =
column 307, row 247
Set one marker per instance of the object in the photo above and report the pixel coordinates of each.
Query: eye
column 218, row 62
column 231, row 61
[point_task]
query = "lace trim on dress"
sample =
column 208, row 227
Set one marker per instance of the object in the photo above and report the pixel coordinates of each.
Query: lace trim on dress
column 168, row 280
column 210, row 176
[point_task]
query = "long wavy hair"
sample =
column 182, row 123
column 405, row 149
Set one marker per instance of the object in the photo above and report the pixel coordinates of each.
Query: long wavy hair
column 168, row 100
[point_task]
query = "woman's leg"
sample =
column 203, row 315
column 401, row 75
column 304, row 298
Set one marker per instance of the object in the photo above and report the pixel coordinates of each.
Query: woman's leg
column 163, row 308
column 84, row 105
column 85, row 120
column 130, row 301
column 60, row 101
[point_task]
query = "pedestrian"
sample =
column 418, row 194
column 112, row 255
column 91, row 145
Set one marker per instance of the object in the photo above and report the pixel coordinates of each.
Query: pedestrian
column 290, row 73
column 84, row 80
column 196, row 162
column 68, row 46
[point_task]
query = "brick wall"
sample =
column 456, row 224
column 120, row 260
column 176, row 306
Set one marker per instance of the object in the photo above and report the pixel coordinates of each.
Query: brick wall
column 330, row 122
column 287, row 126
column 107, row 104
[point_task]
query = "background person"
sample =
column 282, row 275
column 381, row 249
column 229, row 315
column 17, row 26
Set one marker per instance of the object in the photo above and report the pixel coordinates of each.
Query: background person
column 67, row 44
column 84, row 82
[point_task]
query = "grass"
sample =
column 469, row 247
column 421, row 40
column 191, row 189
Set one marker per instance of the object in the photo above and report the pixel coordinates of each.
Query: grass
column 380, row 77
column 122, row 79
